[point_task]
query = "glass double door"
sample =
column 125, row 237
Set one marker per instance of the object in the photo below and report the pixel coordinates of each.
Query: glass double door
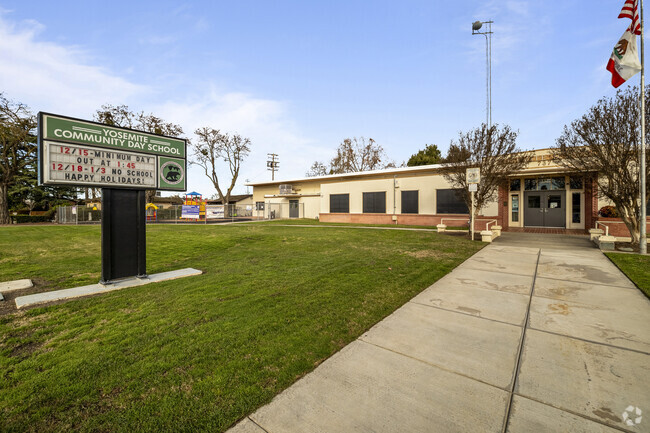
column 545, row 209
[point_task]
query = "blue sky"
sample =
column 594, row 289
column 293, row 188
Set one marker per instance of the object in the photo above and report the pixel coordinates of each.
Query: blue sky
column 298, row 77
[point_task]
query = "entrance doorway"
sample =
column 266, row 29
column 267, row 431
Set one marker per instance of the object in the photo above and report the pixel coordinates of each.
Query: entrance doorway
column 294, row 209
column 544, row 209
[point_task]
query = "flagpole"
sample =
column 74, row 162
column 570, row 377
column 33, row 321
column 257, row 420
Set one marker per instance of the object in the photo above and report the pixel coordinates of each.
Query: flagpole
column 643, row 241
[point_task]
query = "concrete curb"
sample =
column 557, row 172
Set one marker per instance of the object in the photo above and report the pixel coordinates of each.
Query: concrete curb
column 11, row 286
column 93, row 289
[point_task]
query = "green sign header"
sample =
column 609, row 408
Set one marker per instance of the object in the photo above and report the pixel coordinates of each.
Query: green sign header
column 93, row 134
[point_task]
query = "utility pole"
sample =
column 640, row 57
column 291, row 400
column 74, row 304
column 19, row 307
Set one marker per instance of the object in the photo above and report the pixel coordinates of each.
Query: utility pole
column 272, row 164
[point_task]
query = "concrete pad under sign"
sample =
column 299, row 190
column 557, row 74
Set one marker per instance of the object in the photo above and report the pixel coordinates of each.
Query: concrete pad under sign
column 93, row 289
column 10, row 286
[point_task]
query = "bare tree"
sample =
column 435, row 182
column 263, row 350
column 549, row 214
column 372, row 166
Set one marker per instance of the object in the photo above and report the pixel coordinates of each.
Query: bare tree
column 17, row 147
column 122, row 116
column 604, row 144
column 317, row 169
column 491, row 149
column 357, row 154
column 213, row 146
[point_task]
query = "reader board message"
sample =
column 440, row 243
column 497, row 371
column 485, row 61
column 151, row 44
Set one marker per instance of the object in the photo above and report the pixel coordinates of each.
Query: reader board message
column 83, row 153
column 71, row 164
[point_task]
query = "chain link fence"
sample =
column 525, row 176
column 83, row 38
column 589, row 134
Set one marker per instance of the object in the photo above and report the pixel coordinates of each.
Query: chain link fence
column 209, row 214
column 77, row 215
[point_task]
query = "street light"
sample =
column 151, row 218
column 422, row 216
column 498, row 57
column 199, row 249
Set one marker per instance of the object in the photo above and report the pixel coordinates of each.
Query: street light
column 476, row 26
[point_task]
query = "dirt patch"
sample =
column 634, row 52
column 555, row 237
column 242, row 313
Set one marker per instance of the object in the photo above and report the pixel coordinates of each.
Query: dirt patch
column 626, row 247
column 562, row 309
column 8, row 306
column 25, row 349
column 425, row 254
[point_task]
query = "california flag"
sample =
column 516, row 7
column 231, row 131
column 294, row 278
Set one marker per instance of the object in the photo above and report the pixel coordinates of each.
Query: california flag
column 624, row 62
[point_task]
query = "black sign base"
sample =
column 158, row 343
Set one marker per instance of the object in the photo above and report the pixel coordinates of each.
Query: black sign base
column 124, row 241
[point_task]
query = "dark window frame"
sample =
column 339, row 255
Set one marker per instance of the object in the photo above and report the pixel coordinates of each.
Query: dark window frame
column 450, row 201
column 374, row 202
column 259, row 205
column 411, row 205
column 338, row 205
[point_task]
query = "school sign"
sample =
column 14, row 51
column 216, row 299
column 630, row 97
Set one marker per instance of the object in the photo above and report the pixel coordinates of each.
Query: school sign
column 88, row 154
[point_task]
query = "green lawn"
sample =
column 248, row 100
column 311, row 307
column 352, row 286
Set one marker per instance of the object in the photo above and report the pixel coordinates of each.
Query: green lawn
column 636, row 267
column 199, row 353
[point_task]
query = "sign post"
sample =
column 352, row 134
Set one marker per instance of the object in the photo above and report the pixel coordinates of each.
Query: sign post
column 123, row 163
column 473, row 176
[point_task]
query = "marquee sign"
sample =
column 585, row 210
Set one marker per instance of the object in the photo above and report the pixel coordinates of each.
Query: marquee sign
column 88, row 154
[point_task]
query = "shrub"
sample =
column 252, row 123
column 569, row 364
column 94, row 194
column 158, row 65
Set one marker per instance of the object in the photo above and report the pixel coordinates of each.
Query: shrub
column 21, row 219
column 608, row 212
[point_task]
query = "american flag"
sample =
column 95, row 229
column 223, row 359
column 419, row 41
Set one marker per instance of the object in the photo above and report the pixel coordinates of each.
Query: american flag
column 630, row 10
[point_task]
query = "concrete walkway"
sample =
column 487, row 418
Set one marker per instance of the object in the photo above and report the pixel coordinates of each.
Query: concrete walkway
column 517, row 338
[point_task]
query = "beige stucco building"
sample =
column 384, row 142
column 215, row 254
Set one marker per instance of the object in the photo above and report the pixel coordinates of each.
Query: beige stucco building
column 543, row 195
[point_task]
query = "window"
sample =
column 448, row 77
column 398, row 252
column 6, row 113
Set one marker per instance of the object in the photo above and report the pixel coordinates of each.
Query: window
column 450, row 201
column 575, row 182
column 575, row 207
column 339, row 203
column 544, row 184
column 554, row 202
column 530, row 184
column 515, row 208
column 259, row 205
column 534, row 202
column 557, row 183
column 515, row 184
column 374, row 202
column 409, row 202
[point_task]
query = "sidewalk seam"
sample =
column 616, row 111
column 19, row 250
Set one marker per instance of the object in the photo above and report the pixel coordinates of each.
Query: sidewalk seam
column 253, row 421
column 520, row 350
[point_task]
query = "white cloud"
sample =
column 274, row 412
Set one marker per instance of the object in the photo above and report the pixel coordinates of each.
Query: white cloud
column 52, row 77
column 62, row 79
column 266, row 122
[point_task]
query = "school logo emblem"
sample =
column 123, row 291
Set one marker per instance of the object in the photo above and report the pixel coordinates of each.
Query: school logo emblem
column 172, row 172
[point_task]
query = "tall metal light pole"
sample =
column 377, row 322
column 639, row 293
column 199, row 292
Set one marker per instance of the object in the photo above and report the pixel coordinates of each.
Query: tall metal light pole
column 643, row 241
column 476, row 26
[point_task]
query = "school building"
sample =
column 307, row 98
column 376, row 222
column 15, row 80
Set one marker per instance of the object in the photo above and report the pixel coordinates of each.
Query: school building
column 542, row 196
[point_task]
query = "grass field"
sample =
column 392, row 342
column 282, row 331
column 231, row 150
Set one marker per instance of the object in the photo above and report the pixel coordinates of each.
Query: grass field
column 199, row 353
column 636, row 267
column 315, row 222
